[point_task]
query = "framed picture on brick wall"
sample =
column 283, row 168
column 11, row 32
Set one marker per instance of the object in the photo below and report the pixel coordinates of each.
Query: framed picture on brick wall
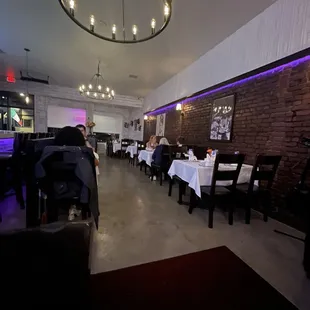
column 160, row 125
column 222, row 116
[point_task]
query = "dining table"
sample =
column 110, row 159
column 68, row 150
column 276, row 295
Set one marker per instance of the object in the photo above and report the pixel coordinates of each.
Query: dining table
column 116, row 147
column 146, row 156
column 132, row 150
column 196, row 174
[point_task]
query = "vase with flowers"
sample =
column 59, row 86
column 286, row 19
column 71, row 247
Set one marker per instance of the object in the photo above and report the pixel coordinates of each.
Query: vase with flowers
column 90, row 125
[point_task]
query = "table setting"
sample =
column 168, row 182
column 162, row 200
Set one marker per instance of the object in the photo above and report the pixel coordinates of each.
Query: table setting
column 199, row 173
column 132, row 150
column 116, row 147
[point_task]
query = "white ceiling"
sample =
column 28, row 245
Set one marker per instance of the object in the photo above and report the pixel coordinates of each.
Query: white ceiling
column 69, row 55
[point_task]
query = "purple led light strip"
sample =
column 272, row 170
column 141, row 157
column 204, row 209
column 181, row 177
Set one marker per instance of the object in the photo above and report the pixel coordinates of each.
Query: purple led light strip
column 293, row 63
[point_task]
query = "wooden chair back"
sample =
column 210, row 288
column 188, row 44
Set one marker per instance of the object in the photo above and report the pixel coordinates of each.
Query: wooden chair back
column 226, row 175
column 177, row 151
column 264, row 169
column 124, row 144
column 141, row 145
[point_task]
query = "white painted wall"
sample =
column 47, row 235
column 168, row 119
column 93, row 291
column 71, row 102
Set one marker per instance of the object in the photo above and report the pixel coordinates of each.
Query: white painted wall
column 131, row 133
column 108, row 123
column 279, row 31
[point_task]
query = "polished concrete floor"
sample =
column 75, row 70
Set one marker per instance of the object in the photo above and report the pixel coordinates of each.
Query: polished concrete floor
column 139, row 223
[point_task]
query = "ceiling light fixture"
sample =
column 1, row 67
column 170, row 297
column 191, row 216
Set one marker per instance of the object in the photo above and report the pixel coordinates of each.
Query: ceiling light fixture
column 26, row 95
column 97, row 88
column 69, row 6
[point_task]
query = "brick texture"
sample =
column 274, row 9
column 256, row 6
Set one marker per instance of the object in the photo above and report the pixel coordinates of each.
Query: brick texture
column 271, row 114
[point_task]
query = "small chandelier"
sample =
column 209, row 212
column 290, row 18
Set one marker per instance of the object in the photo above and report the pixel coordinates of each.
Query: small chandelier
column 96, row 89
column 69, row 6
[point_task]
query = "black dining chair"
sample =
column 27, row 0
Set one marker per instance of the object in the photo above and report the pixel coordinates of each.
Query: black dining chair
column 163, row 167
column 212, row 194
column 124, row 144
column 140, row 147
column 177, row 153
column 264, row 171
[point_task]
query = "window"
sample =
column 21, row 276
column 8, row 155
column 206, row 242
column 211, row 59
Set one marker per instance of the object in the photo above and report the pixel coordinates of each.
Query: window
column 15, row 113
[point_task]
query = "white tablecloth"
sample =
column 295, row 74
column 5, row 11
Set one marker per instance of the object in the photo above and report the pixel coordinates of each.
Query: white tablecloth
column 132, row 149
column 196, row 175
column 116, row 147
column 146, row 156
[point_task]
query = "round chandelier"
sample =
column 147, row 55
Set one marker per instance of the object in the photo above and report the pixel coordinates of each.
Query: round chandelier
column 70, row 7
column 96, row 89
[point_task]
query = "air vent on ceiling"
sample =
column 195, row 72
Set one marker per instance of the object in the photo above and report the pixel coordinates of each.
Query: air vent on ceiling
column 132, row 76
column 1, row 51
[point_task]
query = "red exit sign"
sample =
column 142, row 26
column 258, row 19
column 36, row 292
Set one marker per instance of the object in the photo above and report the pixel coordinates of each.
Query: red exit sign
column 10, row 79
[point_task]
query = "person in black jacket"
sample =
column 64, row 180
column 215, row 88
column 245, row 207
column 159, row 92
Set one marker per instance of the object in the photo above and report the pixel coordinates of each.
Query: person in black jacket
column 157, row 155
column 158, row 159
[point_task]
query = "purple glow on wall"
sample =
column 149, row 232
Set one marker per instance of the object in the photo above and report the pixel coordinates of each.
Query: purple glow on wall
column 234, row 84
column 6, row 145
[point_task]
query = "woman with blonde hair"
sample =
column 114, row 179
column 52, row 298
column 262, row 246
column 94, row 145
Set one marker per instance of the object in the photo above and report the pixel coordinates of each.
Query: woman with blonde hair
column 151, row 145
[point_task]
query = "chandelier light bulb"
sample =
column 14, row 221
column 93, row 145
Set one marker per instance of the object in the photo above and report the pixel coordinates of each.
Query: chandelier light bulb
column 90, row 86
column 108, row 89
column 92, row 23
column 71, row 5
column 114, row 32
column 22, row 94
column 95, row 94
column 153, row 25
column 103, row 95
column 99, row 87
column 112, row 92
column 83, row 86
column 27, row 99
column 134, row 32
column 87, row 93
column 109, row 96
column 166, row 11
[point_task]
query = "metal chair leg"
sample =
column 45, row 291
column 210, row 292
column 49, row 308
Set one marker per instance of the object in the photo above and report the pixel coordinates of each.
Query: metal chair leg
column 170, row 187
column 192, row 203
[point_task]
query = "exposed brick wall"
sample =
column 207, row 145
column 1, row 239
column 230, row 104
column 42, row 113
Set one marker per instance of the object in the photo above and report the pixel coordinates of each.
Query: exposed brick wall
column 271, row 114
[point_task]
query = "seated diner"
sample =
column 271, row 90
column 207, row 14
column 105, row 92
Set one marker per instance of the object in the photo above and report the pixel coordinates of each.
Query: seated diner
column 152, row 143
